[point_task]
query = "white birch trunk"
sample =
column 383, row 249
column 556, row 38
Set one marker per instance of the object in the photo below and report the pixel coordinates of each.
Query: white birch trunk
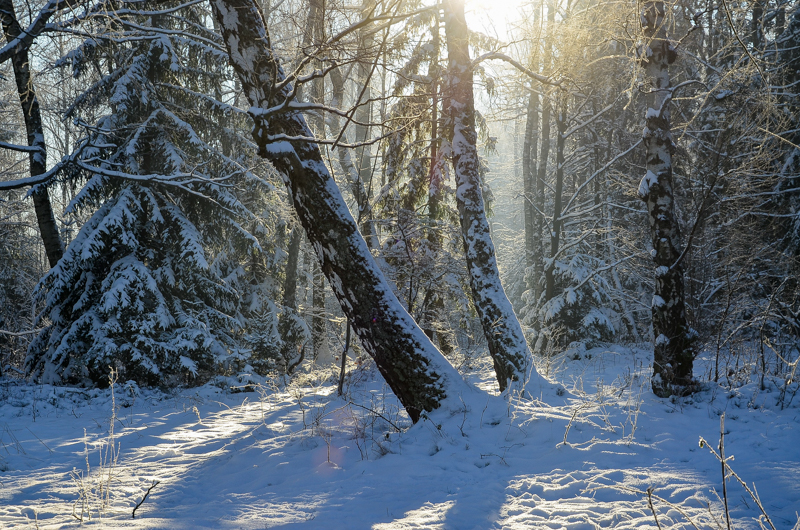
column 507, row 345
column 673, row 353
column 417, row 373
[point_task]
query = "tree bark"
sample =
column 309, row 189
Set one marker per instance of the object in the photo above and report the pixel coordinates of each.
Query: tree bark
column 363, row 114
column 555, row 231
column 417, row 373
column 316, row 29
column 507, row 346
column 673, row 357
column 434, row 298
column 35, row 132
column 541, row 177
column 530, row 171
column 346, row 161
column 288, row 328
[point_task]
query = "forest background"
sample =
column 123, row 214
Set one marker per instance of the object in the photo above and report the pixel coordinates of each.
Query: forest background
column 161, row 244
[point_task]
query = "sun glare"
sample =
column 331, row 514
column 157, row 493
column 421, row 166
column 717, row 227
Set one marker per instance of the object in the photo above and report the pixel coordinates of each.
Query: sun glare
column 495, row 18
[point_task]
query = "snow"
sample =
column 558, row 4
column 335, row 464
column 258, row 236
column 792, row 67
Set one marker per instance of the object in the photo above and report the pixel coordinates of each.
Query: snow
column 649, row 180
column 658, row 302
column 299, row 455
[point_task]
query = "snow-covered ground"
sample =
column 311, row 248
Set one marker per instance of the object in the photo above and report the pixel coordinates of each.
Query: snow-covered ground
column 301, row 457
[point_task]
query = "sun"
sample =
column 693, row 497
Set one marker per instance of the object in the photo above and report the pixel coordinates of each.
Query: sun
column 497, row 18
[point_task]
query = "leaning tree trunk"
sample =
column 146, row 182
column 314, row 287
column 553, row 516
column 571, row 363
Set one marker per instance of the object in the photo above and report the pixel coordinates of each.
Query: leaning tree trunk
column 417, row 373
column 33, row 126
column 672, row 363
column 503, row 332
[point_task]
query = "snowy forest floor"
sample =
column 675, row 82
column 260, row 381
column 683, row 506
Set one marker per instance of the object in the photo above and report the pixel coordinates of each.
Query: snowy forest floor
column 298, row 456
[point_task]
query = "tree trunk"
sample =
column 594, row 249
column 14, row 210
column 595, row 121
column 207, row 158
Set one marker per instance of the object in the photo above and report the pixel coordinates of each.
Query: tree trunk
column 417, row 373
column 503, row 332
column 756, row 25
column 529, row 173
column 290, row 280
column 434, row 297
column 541, row 177
column 346, row 161
column 33, row 126
column 363, row 116
column 319, row 329
column 672, row 363
column 555, row 231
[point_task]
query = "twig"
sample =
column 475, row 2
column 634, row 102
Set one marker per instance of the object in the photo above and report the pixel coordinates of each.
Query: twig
column 652, row 495
column 650, row 504
column 155, row 483
column 566, row 432
column 722, row 461
column 384, row 418
column 728, row 469
column 21, row 333
column 40, row 440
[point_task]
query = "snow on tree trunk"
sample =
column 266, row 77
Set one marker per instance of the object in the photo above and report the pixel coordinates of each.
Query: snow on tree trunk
column 35, row 131
column 503, row 332
column 672, row 364
column 417, row 373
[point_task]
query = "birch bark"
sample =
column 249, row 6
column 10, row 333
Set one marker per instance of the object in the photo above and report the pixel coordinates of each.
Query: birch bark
column 673, row 352
column 417, row 373
column 507, row 345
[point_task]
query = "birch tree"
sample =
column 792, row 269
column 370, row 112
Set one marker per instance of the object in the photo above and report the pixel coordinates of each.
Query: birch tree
column 507, row 345
column 674, row 355
column 416, row 372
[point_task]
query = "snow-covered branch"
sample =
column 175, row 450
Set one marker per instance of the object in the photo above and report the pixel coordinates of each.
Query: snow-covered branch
column 516, row 64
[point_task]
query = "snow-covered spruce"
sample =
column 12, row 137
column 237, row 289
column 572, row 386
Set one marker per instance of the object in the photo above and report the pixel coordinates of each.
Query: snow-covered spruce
column 153, row 282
